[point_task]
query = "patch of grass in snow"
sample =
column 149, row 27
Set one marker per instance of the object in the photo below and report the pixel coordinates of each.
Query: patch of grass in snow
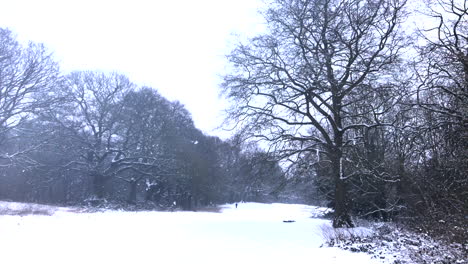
column 209, row 209
column 27, row 209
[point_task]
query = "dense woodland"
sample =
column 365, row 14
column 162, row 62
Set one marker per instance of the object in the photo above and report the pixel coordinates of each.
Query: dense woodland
column 98, row 139
column 335, row 105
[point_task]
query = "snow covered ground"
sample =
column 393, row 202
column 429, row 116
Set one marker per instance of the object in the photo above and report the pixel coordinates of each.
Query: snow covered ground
column 252, row 233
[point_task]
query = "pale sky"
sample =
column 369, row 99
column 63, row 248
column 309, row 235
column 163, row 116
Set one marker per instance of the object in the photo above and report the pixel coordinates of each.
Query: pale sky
column 175, row 46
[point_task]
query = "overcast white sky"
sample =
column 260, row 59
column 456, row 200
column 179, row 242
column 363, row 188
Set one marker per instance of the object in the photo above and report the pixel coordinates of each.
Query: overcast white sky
column 177, row 47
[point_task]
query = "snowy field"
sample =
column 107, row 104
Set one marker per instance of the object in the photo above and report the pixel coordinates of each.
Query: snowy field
column 252, row 233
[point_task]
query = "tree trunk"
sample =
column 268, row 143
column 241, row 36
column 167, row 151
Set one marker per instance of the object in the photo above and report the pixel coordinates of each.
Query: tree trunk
column 98, row 184
column 133, row 192
column 342, row 217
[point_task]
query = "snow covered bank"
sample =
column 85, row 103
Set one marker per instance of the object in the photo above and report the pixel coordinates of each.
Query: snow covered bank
column 394, row 244
column 252, row 233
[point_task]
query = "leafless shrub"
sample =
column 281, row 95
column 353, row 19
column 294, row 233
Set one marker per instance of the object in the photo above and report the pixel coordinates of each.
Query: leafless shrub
column 334, row 236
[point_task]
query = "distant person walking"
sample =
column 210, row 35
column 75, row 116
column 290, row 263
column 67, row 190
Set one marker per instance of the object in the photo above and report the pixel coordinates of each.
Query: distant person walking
column 236, row 205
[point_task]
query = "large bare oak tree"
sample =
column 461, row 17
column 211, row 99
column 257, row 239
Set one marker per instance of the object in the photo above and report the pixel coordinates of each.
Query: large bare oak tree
column 315, row 78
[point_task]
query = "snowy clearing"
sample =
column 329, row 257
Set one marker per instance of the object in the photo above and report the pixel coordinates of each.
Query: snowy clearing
column 252, row 233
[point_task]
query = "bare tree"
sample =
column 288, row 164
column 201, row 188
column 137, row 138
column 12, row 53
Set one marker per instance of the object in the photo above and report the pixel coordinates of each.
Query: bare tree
column 313, row 80
column 442, row 68
column 27, row 77
column 442, row 100
column 145, row 122
column 91, row 116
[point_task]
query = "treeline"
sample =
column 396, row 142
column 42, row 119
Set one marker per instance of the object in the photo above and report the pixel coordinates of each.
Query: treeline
column 371, row 112
column 98, row 139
